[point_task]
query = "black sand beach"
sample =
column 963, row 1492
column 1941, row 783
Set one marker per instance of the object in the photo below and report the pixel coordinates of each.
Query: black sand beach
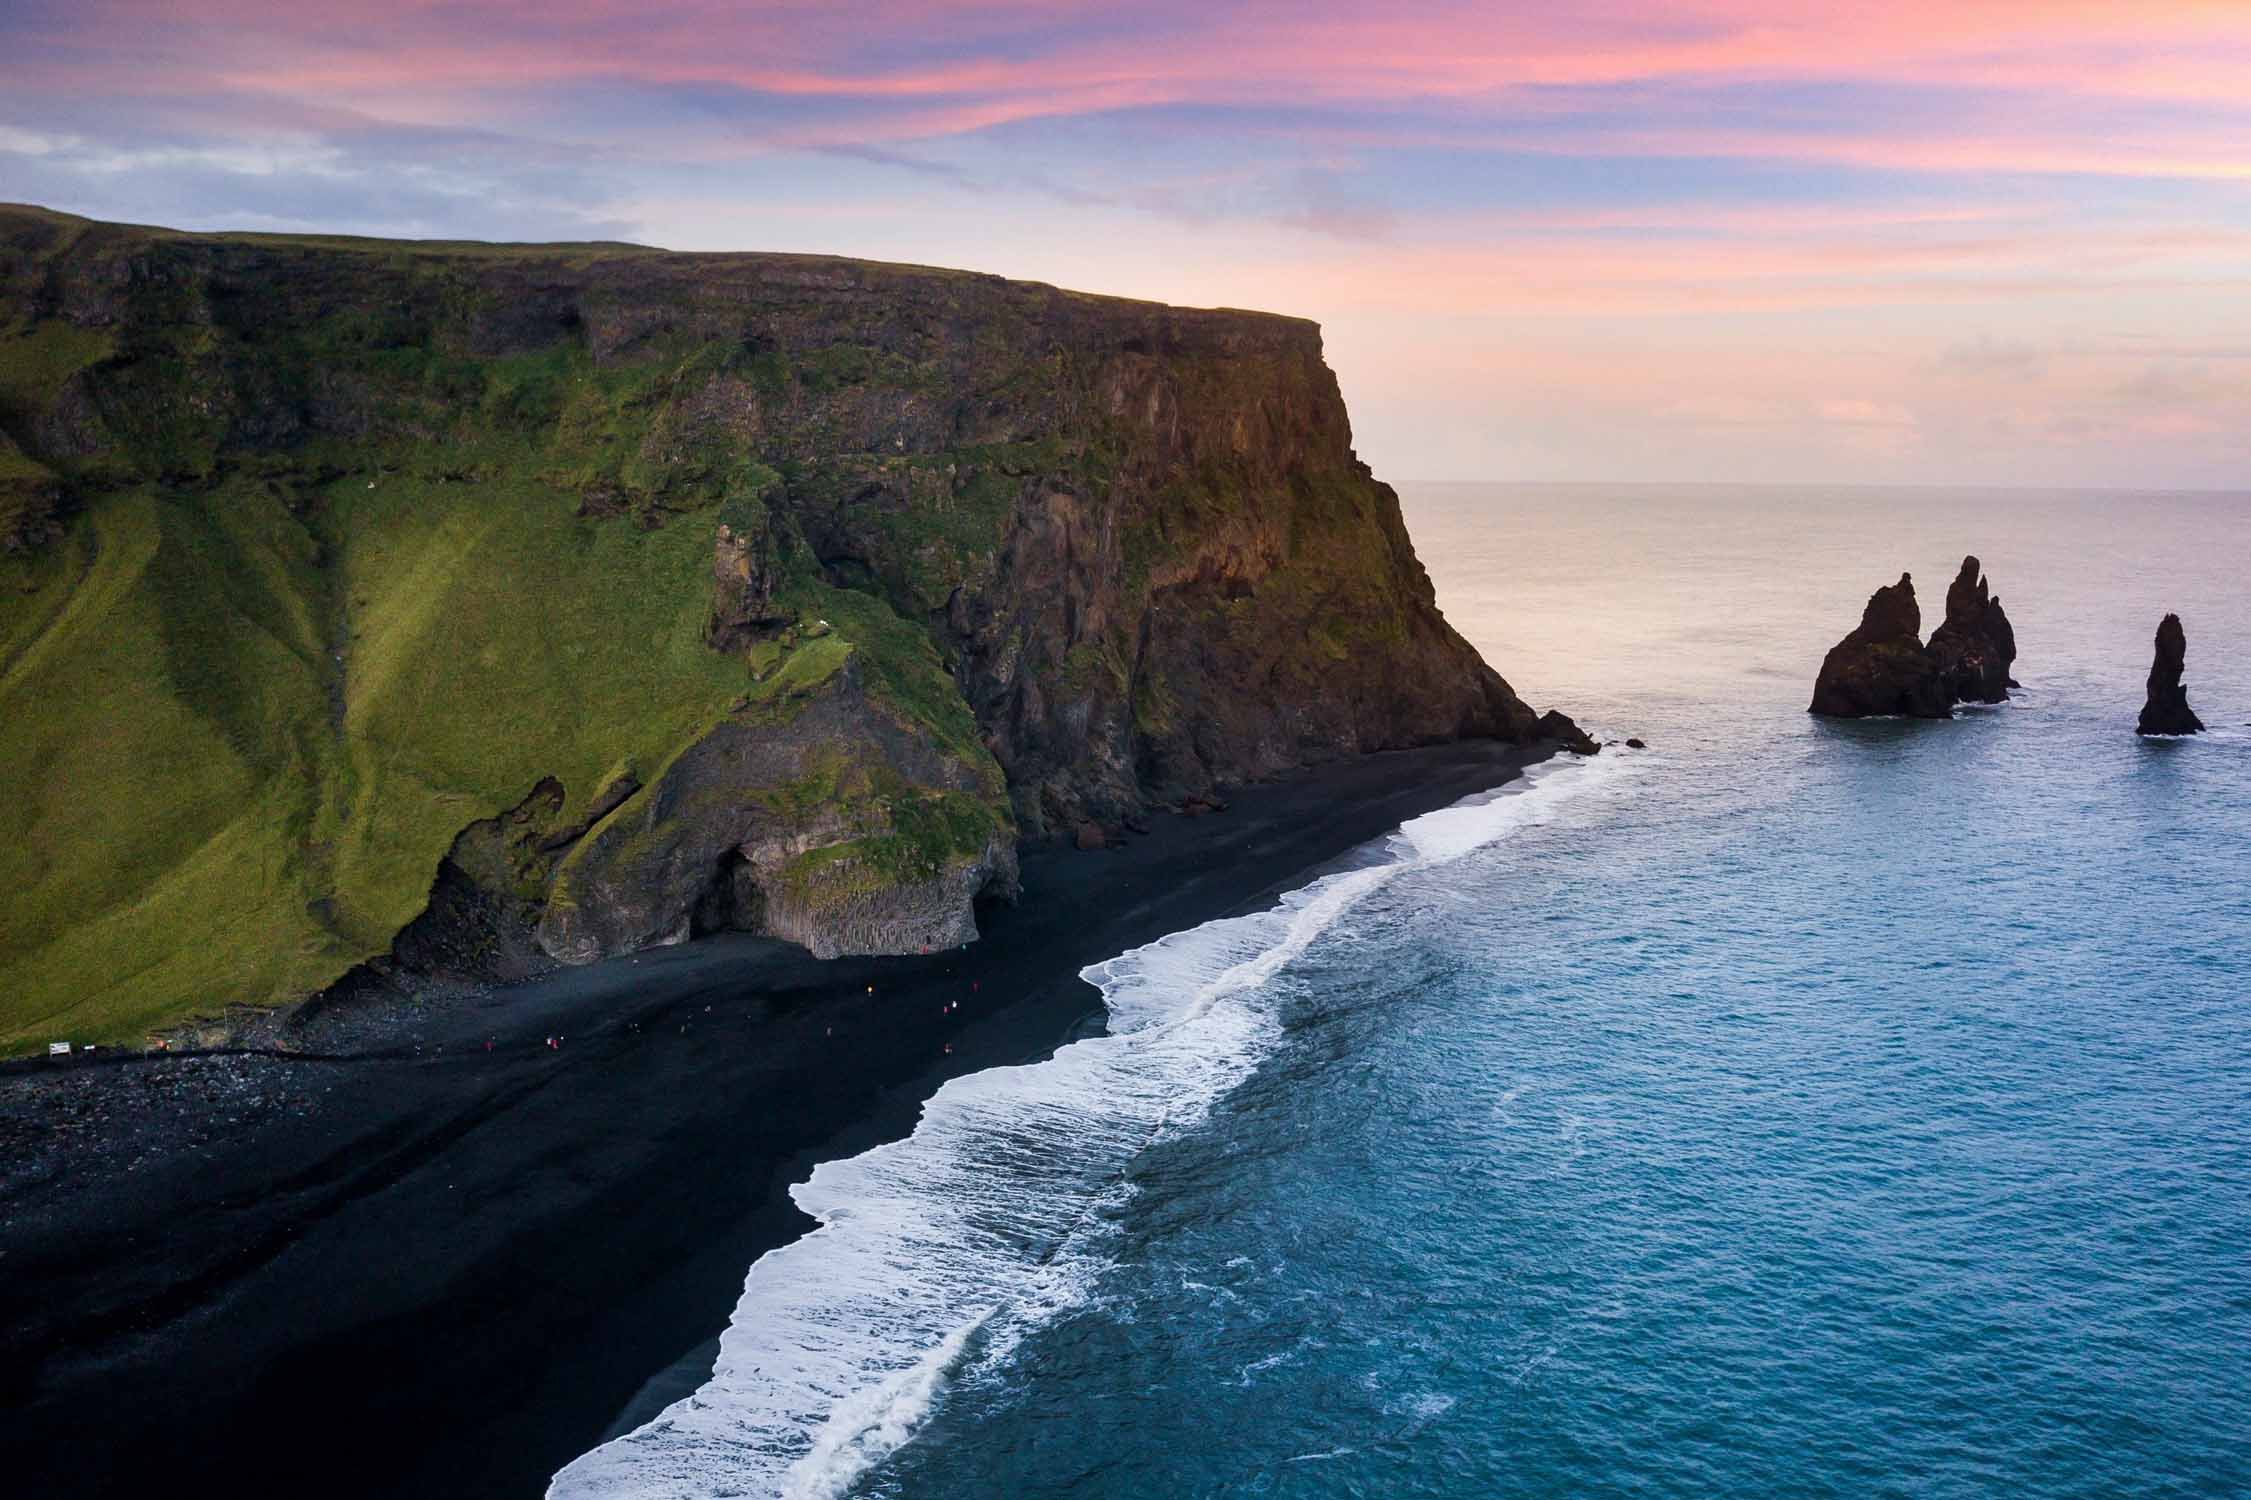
column 444, row 1268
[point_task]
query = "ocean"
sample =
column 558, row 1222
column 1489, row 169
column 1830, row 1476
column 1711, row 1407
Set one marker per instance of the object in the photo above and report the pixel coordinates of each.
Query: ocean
column 1792, row 1107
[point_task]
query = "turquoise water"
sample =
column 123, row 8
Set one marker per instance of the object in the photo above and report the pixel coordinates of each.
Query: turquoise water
column 1791, row 1108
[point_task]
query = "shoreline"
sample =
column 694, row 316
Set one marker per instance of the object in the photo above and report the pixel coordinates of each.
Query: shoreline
column 455, row 1263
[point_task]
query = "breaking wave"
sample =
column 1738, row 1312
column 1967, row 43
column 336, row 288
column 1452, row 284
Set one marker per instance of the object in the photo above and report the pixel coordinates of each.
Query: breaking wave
column 991, row 1217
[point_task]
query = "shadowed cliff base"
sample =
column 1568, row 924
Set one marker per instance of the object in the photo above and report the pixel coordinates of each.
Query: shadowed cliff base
column 439, row 1269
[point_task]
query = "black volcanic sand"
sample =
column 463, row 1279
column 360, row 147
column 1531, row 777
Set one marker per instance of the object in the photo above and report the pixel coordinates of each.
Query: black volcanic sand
column 439, row 1269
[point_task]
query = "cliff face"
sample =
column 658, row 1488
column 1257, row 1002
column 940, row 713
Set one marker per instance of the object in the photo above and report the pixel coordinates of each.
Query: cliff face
column 483, row 602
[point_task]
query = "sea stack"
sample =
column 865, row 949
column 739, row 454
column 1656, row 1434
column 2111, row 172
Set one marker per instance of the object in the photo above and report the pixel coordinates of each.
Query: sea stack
column 1557, row 725
column 2167, row 710
column 1882, row 668
column 1974, row 647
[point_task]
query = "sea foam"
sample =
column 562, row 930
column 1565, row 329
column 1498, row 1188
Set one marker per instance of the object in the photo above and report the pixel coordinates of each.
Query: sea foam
column 991, row 1217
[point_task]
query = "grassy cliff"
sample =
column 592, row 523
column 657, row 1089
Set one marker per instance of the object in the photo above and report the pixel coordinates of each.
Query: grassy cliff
column 758, row 590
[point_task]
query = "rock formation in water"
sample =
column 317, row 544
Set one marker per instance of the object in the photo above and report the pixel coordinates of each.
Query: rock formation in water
column 1974, row 646
column 1881, row 667
column 1558, row 726
column 2166, row 710
column 467, row 608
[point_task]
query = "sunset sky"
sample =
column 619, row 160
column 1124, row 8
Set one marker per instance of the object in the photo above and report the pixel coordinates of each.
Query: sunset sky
column 1944, row 241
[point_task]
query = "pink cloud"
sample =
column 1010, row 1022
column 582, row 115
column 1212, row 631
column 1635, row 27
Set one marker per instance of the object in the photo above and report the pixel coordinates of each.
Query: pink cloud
column 427, row 62
column 1481, row 268
column 1605, row 310
column 1859, row 411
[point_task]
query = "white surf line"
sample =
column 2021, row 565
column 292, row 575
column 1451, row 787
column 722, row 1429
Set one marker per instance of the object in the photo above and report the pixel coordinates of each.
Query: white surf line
column 843, row 1340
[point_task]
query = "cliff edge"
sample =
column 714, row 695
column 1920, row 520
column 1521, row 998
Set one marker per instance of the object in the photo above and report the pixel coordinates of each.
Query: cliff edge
column 462, row 609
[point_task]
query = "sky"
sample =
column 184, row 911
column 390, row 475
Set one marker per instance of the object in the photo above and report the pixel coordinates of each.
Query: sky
column 1883, row 241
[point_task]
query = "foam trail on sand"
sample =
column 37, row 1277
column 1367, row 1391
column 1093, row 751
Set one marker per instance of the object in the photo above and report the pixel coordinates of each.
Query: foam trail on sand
column 990, row 1215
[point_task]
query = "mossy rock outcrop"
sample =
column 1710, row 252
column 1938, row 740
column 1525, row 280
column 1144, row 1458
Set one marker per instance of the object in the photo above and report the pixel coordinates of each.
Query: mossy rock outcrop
column 347, row 582
column 833, row 821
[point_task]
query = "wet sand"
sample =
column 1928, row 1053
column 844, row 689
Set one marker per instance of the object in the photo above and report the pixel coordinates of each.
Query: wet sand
column 447, row 1267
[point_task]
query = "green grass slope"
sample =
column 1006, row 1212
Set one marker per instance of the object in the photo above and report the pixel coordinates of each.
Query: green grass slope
column 243, row 768
column 244, row 737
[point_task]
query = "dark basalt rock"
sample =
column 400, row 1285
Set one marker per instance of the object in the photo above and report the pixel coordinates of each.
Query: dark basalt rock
column 1557, row 725
column 2167, row 710
column 1882, row 668
column 1974, row 646
column 742, row 585
column 1636, row 745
